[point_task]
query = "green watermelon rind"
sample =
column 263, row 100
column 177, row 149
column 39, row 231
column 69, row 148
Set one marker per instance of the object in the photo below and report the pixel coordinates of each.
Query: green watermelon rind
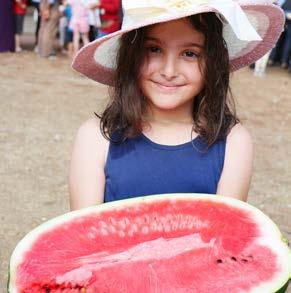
column 279, row 245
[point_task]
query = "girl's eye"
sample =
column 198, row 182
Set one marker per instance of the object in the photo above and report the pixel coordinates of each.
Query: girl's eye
column 190, row 54
column 153, row 49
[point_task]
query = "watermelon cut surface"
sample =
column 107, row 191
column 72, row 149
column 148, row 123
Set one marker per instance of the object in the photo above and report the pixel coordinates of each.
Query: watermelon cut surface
column 167, row 243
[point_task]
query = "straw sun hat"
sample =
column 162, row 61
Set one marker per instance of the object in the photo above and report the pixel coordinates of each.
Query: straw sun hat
column 251, row 29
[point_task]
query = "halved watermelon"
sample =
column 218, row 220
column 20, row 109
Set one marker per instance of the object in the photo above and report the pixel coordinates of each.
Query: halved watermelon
column 166, row 243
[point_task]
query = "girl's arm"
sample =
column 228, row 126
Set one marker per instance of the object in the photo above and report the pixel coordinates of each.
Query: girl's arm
column 238, row 164
column 86, row 176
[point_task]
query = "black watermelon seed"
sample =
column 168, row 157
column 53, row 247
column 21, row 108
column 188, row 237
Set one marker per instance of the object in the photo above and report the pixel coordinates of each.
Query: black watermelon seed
column 219, row 261
column 244, row 260
column 233, row 258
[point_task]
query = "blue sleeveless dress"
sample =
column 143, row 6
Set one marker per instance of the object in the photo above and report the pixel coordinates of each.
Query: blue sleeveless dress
column 139, row 167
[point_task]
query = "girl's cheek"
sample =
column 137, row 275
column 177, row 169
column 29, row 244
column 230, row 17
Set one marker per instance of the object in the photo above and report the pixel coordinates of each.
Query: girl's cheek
column 148, row 66
column 144, row 68
column 153, row 64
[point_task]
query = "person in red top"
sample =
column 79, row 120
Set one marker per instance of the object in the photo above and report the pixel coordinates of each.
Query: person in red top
column 20, row 7
column 110, row 12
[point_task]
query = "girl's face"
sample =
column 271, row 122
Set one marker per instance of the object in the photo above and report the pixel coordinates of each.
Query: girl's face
column 171, row 74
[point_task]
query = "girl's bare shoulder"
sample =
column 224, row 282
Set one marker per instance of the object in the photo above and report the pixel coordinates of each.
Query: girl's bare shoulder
column 90, row 138
column 239, row 134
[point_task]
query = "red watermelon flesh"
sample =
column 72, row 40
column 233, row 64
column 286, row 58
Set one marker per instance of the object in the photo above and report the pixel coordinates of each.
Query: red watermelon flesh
column 173, row 243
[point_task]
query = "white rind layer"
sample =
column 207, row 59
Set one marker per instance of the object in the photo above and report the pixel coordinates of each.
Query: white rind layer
column 270, row 232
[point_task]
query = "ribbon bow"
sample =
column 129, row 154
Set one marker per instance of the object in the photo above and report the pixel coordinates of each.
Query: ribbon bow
column 140, row 11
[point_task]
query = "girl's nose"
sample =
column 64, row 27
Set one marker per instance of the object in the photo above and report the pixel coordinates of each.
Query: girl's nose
column 168, row 67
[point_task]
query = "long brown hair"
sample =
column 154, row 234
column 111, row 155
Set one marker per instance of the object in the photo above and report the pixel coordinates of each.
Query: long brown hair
column 213, row 108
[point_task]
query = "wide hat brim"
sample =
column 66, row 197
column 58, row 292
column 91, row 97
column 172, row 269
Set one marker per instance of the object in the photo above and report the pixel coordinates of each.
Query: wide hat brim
column 97, row 60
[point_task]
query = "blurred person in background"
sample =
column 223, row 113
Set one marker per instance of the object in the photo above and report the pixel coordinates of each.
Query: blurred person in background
column 7, row 41
column 287, row 44
column 94, row 18
column 69, row 32
column 50, row 15
column 79, row 23
column 63, row 24
column 281, row 52
column 110, row 12
column 35, row 4
column 261, row 65
column 20, row 8
column 65, row 33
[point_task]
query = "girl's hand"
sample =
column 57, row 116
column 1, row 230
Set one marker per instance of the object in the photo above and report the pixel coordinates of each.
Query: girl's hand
column 238, row 164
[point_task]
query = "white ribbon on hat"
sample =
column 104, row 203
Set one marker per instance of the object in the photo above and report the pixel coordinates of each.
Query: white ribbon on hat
column 139, row 12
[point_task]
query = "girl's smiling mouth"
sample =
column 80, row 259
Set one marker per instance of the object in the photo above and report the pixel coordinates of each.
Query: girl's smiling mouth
column 167, row 86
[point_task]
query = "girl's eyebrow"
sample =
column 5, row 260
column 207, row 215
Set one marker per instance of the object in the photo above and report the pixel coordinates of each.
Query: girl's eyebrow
column 190, row 44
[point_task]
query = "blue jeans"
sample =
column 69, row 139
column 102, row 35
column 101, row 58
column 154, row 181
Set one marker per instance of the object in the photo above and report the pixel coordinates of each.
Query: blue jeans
column 287, row 45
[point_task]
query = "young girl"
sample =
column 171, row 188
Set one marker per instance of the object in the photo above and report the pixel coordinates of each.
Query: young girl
column 170, row 125
column 79, row 23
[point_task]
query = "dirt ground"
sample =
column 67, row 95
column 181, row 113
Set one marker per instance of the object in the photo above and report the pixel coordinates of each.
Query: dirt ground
column 42, row 104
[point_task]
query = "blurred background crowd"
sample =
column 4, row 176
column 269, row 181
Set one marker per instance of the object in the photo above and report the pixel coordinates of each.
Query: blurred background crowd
column 74, row 23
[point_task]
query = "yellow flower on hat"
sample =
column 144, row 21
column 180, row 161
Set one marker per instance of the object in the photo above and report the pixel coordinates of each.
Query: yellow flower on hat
column 179, row 3
column 182, row 4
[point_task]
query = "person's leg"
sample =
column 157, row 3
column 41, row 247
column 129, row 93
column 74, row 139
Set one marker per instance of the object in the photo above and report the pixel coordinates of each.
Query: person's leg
column 287, row 47
column 260, row 65
column 69, row 41
column 276, row 53
column 289, row 43
column 62, row 31
column 45, row 45
column 76, row 41
column 17, row 44
column 84, row 30
column 54, row 28
column 39, row 38
column 38, row 21
column 92, row 33
column 85, row 38
column 46, row 37
column 273, row 55
column 18, row 31
column 49, row 34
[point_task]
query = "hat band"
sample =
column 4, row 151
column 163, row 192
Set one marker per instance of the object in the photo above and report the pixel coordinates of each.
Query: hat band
column 142, row 11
